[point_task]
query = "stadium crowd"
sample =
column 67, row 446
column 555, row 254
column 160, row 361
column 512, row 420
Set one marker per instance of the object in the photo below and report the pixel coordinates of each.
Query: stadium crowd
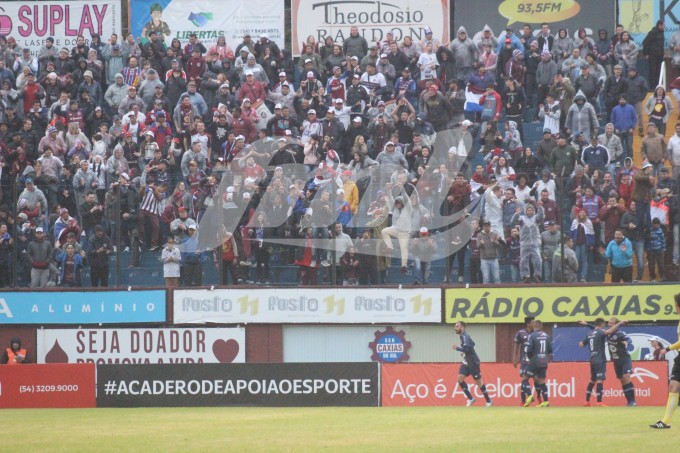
column 119, row 145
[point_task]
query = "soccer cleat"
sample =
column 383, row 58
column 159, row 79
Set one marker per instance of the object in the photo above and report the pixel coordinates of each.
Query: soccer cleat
column 586, row 404
column 601, row 405
column 544, row 404
column 470, row 402
column 530, row 399
column 660, row 425
column 489, row 404
column 631, row 404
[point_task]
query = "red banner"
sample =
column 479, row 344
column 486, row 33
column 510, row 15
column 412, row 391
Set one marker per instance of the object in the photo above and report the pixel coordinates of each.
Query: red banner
column 42, row 386
column 433, row 384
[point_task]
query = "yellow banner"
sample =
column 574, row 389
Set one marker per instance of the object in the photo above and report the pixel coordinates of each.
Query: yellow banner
column 561, row 304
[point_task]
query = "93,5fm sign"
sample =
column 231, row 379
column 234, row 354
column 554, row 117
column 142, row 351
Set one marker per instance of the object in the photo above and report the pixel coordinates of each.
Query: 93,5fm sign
column 536, row 11
column 561, row 304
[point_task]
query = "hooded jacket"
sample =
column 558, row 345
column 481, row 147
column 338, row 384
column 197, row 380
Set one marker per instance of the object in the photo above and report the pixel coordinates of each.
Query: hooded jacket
column 529, row 231
column 582, row 118
column 464, row 52
column 651, row 103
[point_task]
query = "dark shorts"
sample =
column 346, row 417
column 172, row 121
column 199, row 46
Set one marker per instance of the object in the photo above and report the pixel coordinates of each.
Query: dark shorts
column 598, row 372
column 537, row 372
column 675, row 373
column 470, row 370
column 623, row 366
column 523, row 367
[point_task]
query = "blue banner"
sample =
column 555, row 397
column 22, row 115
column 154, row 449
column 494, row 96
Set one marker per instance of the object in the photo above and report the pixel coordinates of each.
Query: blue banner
column 83, row 307
column 566, row 339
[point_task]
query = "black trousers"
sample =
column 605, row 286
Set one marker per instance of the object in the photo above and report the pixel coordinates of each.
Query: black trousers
column 622, row 274
column 99, row 276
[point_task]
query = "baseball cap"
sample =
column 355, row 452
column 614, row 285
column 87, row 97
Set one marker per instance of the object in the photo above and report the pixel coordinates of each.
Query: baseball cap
column 654, row 338
column 357, row 119
column 311, row 112
column 424, row 231
column 646, row 165
column 192, row 227
column 310, row 74
column 125, row 176
column 39, row 230
column 278, row 106
column 282, row 74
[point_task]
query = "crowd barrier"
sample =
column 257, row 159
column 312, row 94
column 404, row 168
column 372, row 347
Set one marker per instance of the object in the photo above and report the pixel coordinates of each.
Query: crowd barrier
column 300, row 384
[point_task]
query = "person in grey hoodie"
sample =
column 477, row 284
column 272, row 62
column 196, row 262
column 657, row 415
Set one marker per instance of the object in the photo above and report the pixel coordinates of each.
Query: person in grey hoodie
column 582, row 117
column 39, row 254
column 401, row 226
column 465, row 54
column 116, row 92
column 570, row 262
column 529, row 241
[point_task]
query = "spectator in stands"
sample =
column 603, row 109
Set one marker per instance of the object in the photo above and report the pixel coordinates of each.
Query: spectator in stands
column 14, row 354
column 568, row 273
column 620, row 253
column 583, row 235
column 40, row 253
column 489, row 244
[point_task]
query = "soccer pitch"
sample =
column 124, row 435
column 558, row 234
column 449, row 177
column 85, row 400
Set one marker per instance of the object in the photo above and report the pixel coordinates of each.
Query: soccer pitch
column 336, row 429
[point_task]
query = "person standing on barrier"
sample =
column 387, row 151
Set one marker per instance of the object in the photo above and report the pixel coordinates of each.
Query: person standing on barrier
column 15, row 354
column 470, row 365
column 596, row 341
column 674, row 383
column 539, row 351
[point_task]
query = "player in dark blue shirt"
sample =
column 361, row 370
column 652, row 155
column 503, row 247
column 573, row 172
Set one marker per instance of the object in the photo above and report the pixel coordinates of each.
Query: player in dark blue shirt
column 539, row 352
column 470, row 365
column 596, row 341
column 519, row 357
column 623, row 364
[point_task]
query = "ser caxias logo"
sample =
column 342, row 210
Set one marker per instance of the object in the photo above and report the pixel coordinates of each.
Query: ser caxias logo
column 5, row 23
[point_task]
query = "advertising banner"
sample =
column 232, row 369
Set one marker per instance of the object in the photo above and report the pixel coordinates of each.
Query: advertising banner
column 31, row 23
column 208, row 19
column 42, row 386
column 639, row 17
column 373, row 18
column 429, row 384
column 133, row 346
column 566, row 339
column 91, row 307
column 560, row 304
column 257, row 384
column 308, row 305
column 568, row 14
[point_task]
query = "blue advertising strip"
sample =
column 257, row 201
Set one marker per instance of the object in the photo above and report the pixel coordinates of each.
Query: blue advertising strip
column 566, row 339
column 82, row 307
column 246, row 384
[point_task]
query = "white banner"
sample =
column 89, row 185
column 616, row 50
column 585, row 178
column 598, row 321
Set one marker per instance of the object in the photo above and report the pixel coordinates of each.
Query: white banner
column 209, row 19
column 308, row 305
column 374, row 19
column 31, row 23
column 133, row 346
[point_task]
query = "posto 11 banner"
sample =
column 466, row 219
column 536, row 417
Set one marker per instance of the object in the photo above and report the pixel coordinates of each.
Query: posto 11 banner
column 42, row 386
column 560, row 304
column 256, row 384
column 430, row 384
column 135, row 346
column 82, row 307
column 31, row 23
column 374, row 18
column 208, row 19
column 569, row 14
column 308, row 305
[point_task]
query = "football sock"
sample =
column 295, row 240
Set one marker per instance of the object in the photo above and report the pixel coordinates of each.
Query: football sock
column 670, row 408
column 589, row 391
column 544, row 389
column 538, row 389
column 600, row 387
column 464, row 386
column 485, row 393
column 526, row 389
column 629, row 392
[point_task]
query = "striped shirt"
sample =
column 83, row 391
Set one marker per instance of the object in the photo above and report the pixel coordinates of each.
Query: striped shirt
column 149, row 202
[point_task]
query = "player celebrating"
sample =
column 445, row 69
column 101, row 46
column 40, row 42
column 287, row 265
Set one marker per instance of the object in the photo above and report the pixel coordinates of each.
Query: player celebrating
column 521, row 350
column 539, row 350
column 618, row 351
column 623, row 364
column 674, row 382
column 596, row 342
column 470, row 365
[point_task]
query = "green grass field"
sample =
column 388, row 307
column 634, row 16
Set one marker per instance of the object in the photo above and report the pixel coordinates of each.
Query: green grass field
column 335, row 429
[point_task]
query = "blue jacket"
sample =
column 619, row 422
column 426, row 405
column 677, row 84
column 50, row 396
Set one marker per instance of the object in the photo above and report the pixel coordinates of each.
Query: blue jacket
column 624, row 117
column 657, row 240
column 618, row 257
column 78, row 263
